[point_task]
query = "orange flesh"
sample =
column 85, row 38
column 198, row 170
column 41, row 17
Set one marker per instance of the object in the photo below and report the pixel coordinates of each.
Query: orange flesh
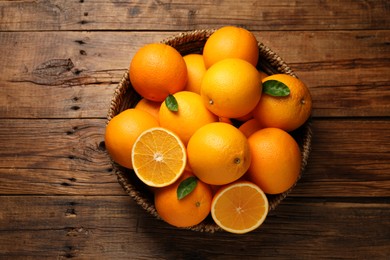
column 240, row 208
column 159, row 158
column 237, row 213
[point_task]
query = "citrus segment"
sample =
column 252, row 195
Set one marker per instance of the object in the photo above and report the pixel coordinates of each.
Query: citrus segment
column 158, row 157
column 239, row 207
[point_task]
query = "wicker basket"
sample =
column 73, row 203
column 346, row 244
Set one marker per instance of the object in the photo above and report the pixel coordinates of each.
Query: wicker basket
column 125, row 97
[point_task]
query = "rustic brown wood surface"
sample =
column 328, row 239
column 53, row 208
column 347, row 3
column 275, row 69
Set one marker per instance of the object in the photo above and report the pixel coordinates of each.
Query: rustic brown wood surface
column 59, row 64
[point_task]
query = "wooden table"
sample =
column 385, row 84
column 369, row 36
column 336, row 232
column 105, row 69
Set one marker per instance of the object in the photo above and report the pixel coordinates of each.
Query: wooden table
column 59, row 64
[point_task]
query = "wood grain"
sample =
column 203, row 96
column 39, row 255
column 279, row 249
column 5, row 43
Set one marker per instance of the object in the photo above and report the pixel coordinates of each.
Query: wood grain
column 83, row 227
column 62, row 156
column 347, row 72
column 26, row 15
column 60, row 62
column 352, row 153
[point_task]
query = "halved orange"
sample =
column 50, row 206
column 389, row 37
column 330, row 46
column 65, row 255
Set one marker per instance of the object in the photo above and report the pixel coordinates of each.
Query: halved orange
column 239, row 207
column 159, row 157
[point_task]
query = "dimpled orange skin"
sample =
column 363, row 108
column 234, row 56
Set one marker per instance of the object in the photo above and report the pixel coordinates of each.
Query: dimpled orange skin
column 187, row 212
column 191, row 115
column 231, row 42
column 151, row 107
column 123, row 130
column 218, row 153
column 231, row 88
column 157, row 70
column 250, row 127
column 287, row 113
column 196, row 70
column 276, row 160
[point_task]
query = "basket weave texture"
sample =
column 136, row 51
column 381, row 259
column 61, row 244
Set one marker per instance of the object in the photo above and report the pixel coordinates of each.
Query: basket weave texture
column 125, row 97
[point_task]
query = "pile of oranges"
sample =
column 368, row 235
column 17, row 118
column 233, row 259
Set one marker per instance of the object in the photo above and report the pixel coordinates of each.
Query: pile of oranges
column 211, row 134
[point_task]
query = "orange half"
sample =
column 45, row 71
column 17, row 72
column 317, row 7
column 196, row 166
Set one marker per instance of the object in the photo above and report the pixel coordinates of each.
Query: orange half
column 159, row 157
column 239, row 207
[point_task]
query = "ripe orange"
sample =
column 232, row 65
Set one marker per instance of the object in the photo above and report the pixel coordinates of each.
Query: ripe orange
column 151, row 107
column 188, row 211
column 263, row 75
column 191, row 115
column 239, row 207
column 123, row 130
column 195, row 70
column 157, row 70
column 231, row 42
column 245, row 117
column 231, row 88
column 249, row 127
column 225, row 120
column 159, row 157
column 287, row 113
column 276, row 160
column 218, row 153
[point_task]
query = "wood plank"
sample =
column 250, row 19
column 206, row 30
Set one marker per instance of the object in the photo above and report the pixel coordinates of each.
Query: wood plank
column 55, row 157
column 184, row 15
column 112, row 227
column 59, row 182
column 60, row 62
column 65, row 145
column 347, row 71
column 76, row 80
column 349, row 158
column 349, row 155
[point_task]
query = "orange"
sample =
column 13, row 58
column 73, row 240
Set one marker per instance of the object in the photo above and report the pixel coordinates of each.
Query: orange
column 231, row 42
column 195, row 70
column 158, row 157
column 122, row 131
column 215, row 188
column 231, row 88
column 289, row 112
column 262, row 74
column 157, row 70
column 276, row 160
column 225, row 120
column 239, row 207
column 191, row 115
column 218, row 153
column 151, row 107
column 249, row 127
column 188, row 211
column 245, row 117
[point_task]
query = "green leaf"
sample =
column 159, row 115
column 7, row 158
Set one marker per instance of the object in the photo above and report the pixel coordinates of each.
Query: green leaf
column 171, row 103
column 186, row 187
column 275, row 88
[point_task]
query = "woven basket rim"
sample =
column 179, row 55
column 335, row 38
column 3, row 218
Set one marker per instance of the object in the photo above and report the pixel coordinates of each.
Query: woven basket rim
column 269, row 62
